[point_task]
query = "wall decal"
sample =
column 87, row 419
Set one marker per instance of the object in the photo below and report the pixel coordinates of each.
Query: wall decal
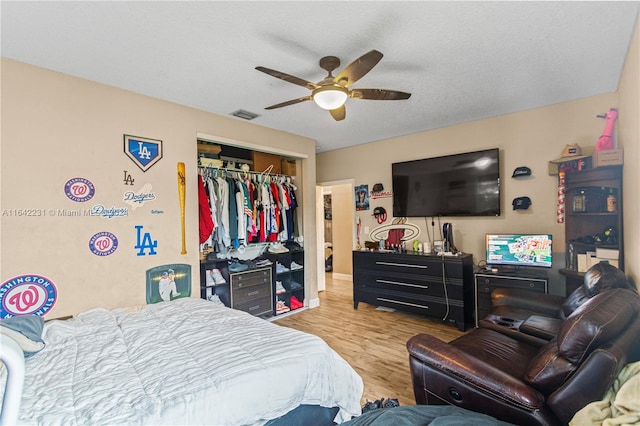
column 103, row 243
column 109, row 212
column 157, row 211
column 27, row 295
column 168, row 282
column 136, row 199
column 128, row 179
column 144, row 152
column 144, row 243
column 79, row 189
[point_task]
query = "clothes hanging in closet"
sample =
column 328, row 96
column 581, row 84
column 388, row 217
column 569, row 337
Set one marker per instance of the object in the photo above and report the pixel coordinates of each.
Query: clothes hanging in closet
column 245, row 209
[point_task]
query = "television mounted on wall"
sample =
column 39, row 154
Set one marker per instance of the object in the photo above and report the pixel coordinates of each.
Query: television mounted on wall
column 465, row 184
column 519, row 250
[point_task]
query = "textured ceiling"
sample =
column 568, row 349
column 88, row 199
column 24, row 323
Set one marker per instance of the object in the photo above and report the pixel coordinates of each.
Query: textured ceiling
column 462, row 61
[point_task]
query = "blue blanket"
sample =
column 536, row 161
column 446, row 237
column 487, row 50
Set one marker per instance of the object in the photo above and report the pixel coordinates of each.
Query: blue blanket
column 424, row 415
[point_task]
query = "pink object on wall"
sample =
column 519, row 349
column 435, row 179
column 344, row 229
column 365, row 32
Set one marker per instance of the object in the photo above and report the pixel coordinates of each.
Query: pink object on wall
column 607, row 140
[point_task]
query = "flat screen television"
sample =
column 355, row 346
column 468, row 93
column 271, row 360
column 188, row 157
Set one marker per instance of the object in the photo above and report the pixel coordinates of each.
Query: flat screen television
column 453, row 185
column 519, row 250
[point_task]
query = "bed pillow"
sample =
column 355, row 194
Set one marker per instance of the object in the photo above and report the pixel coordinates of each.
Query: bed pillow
column 26, row 331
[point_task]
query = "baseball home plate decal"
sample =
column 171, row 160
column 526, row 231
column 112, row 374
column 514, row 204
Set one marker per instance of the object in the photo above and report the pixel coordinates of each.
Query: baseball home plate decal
column 27, row 295
column 143, row 151
column 103, row 243
column 79, row 189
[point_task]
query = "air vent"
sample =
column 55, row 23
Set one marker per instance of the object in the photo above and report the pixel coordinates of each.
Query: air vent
column 241, row 113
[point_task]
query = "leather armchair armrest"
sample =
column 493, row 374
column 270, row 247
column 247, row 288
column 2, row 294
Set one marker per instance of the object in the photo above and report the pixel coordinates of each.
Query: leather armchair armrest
column 543, row 304
column 473, row 372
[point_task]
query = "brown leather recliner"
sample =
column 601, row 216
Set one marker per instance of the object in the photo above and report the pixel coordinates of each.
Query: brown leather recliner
column 526, row 384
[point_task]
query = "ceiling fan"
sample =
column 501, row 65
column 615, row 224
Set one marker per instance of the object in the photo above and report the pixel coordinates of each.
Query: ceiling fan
column 332, row 92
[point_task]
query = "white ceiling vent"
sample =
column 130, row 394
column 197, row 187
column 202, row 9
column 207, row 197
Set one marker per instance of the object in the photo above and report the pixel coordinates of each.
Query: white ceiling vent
column 241, row 113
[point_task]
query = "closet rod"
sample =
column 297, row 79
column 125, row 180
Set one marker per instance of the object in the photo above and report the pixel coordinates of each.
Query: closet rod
column 241, row 171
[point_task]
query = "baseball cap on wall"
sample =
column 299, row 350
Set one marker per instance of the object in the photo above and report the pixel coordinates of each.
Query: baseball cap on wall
column 378, row 187
column 521, row 171
column 570, row 153
column 378, row 211
column 521, row 203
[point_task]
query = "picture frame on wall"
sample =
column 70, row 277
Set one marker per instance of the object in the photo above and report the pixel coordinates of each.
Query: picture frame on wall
column 168, row 282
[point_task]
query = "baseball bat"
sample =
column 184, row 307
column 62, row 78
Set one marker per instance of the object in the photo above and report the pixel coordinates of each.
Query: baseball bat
column 182, row 196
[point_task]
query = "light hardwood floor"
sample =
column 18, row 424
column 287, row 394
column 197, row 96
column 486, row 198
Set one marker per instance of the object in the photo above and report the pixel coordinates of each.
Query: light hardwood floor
column 372, row 341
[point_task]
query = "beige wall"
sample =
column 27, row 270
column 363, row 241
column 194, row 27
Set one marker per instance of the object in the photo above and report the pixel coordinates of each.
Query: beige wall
column 629, row 138
column 56, row 127
column 528, row 138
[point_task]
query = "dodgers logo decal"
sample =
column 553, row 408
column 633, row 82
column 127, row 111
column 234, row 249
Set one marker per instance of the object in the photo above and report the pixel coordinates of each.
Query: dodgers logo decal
column 103, row 243
column 143, row 151
column 27, row 295
column 79, row 189
column 136, row 199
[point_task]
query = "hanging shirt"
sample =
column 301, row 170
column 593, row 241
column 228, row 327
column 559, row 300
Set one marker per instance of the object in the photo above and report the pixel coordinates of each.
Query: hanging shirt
column 204, row 212
column 224, row 236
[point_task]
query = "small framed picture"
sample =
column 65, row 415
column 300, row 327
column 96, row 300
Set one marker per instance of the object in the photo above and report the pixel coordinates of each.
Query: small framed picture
column 168, row 282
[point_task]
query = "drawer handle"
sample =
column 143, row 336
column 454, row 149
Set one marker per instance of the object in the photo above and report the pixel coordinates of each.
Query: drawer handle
column 404, row 265
column 253, row 293
column 405, row 284
column 402, row 303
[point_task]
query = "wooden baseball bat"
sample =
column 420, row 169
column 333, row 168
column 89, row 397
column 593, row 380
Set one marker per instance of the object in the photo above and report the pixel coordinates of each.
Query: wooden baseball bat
column 182, row 197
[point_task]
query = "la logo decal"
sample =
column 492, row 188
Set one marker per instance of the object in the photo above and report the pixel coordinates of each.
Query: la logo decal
column 142, row 151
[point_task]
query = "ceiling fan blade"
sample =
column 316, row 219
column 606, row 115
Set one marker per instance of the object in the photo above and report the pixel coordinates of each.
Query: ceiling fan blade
column 291, row 102
column 289, row 78
column 339, row 113
column 379, row 94
column 358, row 68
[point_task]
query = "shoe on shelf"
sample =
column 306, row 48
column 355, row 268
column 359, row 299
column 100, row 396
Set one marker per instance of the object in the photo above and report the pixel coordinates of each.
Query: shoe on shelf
column 209, row 278
column 295, row 266
column 280, row 288
column 262, row 262
column 215, row 299
column 217, row 276
column 280, row 268
column 295, row 303
column 294, row 285
column 281, row 307
column 277, row 247
column 237, row 267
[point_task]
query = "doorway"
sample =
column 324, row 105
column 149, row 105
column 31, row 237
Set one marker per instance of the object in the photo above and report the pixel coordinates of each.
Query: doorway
column 341, row 227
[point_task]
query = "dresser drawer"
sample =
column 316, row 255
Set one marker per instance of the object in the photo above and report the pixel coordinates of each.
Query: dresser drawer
column 250, row 278
column 410, row 284
column 411, row 264
column 246, row 293
column 259, row 306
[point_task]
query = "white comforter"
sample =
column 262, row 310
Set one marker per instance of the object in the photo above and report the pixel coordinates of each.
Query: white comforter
column 188, row 361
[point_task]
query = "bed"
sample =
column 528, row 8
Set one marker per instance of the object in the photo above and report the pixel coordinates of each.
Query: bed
column 188, row 361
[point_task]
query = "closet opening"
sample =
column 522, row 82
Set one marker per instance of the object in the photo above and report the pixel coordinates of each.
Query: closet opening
column 250, row 229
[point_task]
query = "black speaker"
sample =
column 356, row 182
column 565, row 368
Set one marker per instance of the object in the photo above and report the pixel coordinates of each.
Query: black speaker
column 447, row 235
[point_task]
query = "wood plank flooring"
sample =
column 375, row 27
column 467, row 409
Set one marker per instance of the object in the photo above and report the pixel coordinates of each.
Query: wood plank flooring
column 372, row 341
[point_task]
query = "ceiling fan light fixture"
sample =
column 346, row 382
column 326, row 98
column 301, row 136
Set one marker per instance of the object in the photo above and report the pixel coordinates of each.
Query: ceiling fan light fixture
column 330, row 97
